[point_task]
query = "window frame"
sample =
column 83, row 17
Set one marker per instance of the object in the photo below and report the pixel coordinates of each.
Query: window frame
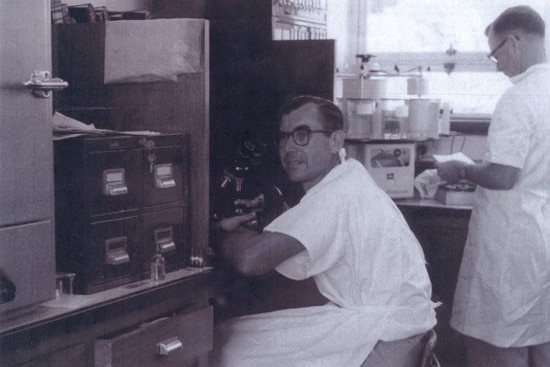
column 435, row 61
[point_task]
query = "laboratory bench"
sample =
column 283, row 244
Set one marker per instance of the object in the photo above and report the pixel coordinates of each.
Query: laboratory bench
column 146, row 323
column 441, row 230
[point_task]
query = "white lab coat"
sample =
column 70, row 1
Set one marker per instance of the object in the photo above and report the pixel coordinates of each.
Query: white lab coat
column 364, row 259
column 503, row 291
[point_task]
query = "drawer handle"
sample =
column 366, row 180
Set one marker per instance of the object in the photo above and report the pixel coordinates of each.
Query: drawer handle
column 165, row 347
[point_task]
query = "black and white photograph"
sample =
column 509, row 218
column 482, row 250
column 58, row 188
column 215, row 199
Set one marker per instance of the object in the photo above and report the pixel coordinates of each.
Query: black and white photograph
column 274, row 183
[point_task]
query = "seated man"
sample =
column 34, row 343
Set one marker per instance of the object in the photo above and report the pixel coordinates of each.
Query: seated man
column 347, row 235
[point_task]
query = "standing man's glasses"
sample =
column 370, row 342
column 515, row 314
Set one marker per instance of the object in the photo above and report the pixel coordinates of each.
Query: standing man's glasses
column 491, row 56
column 300, row 136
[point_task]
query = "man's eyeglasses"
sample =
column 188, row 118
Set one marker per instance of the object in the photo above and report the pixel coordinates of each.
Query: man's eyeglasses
column 492, row 56
column 300, row 136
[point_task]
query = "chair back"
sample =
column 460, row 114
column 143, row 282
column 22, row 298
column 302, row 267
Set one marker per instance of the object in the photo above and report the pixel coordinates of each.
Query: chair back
column 429, row 358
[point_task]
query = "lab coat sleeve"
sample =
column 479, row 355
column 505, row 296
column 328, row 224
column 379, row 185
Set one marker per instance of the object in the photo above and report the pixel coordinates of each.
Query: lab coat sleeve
column 510, row 131
column 318, row 223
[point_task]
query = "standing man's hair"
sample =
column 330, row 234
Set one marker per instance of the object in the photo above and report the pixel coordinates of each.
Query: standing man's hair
column 332, row 116
column 518, row 17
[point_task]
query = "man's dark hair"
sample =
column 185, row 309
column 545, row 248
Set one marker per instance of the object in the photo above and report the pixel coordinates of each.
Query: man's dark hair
column 518, row 17
column 332, row 116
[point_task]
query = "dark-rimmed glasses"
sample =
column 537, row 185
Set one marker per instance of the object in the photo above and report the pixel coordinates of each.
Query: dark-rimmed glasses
column 491, row 56
column 300, row 136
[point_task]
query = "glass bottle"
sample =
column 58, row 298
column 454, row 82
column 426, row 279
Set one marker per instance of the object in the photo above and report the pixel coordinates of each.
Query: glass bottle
column 158, row 266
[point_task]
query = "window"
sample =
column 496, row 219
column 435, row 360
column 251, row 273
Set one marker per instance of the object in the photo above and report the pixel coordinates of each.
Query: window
column 406, row 26
column 445, row 37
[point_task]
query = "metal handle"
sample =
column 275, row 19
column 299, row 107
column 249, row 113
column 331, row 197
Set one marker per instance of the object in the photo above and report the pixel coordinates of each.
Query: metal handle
column 165, row 347
column 41, row 85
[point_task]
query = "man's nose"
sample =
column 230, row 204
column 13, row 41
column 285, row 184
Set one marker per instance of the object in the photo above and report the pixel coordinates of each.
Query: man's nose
column 287, row 144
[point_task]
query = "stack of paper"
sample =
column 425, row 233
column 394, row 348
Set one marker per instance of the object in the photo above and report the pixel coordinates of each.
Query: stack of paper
column 65, row 127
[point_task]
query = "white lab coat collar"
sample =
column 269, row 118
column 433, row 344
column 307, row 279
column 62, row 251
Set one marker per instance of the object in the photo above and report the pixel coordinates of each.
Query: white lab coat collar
column 532, row 69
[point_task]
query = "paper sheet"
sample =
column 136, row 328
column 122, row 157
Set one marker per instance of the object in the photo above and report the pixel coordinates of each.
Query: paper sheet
column 427, row 182
column 152, row 50
column 65, row 127
column 453, row 157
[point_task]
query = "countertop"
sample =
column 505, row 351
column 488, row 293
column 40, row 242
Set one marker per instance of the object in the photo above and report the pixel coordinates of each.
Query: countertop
column 69, row 305
column 417, row 202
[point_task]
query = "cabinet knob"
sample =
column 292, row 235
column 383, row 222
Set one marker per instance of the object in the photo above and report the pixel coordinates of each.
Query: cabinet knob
column 167, row 346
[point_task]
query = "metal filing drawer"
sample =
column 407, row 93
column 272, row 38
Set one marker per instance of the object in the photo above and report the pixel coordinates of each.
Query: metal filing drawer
column 169, row 230
column 165, row 161
column 111, row 182
column 108, row 255
column 176, row 341
column 116, row 196
column 96, row 176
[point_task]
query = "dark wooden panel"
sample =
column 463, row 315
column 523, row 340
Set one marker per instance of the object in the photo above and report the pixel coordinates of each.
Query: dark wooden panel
column 69, row 357
column 178, row 9
column 139, row 347
column 79, row 53
column 442, row 234
column 111, row 315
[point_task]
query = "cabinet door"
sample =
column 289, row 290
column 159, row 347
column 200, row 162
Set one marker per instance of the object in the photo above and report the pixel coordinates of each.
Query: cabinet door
column 26, row 162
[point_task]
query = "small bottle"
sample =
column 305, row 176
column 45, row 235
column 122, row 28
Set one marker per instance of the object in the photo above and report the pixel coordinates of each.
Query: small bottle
column 158, row 266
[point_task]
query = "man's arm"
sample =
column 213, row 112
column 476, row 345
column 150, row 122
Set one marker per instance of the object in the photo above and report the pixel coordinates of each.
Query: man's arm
column 253, row 253
column 489, row 175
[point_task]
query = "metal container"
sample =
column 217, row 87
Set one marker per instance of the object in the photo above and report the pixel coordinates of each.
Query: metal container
column 424, row 118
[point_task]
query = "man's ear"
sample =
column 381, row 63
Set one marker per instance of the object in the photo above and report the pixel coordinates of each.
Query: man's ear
column 337, row 140
column 514, row 43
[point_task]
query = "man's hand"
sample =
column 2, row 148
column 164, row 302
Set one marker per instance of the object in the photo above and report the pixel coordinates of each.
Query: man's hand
column 231, row 224
column 452, row 171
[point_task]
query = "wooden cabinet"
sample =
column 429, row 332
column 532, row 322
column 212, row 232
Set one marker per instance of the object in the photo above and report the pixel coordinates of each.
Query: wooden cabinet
column 68, row 357
column 118, row 327
column 442, row 233
column 178, row 8
column 274, row 19
column 65, row 331
column 174, row 106
column 174, row 341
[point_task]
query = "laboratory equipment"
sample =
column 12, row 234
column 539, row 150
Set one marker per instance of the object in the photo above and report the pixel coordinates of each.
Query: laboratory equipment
column 373, row 110
column 390, row 164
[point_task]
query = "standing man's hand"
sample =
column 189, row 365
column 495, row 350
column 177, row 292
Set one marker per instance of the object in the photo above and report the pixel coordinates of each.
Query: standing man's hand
column 452, row 171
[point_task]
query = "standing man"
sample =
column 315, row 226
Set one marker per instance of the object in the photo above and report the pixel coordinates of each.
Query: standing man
column 502, row 299
column 347, row 235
